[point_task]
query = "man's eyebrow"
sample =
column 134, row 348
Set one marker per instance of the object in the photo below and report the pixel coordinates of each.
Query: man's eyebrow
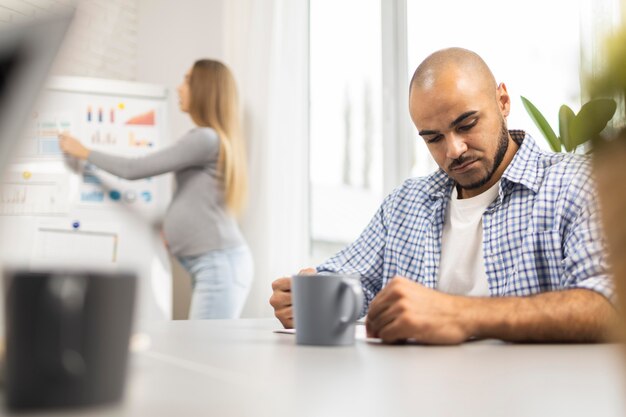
column 456, row 122
column 427, row 132
column 462, row 117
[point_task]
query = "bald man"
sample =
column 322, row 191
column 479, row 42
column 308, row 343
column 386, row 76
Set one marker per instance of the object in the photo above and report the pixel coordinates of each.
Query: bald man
column 503, row 241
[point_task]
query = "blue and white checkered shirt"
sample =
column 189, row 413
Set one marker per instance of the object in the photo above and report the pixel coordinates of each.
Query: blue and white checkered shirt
column 542, row 233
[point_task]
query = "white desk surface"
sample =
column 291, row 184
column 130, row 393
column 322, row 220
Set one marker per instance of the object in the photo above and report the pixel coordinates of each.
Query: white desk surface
column 241, row 368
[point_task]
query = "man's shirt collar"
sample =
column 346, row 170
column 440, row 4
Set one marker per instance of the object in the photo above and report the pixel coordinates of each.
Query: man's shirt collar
column 527, row 167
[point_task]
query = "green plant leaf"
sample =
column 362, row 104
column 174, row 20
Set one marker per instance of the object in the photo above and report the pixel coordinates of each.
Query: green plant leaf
column 542, row 124
column 592, row 119
column 566, row 117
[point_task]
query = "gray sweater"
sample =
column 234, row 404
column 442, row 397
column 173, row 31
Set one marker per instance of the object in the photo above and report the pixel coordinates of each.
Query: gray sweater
column 196, row 221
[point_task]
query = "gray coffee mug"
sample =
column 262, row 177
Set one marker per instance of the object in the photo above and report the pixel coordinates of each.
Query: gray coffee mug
column 67, row 336
column 326, row 307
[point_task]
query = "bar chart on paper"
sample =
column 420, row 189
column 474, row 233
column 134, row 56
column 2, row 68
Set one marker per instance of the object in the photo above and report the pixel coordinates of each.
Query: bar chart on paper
column 25, row 192
column 121, row 125
column 41, row 139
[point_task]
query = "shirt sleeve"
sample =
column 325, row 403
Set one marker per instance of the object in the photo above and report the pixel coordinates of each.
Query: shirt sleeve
column 585, row 261
column 196, row 148
column 365, row 255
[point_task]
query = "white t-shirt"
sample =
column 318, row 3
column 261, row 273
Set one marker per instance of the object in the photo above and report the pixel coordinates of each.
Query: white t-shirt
column 462, row 265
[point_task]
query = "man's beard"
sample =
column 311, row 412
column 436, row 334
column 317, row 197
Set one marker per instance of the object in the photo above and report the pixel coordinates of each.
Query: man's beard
column 503, row 145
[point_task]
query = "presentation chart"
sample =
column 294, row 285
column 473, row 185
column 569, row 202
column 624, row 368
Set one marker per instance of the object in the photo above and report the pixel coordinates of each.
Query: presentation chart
column 98, row 187
column 103, row 137
column 41, row 139
column 24, row 192
column 126, row 127
column 140, row 138
column 143, row 119
column 121, row 126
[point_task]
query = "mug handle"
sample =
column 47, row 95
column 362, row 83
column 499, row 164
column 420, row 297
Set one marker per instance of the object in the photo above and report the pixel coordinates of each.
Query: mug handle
column 357, row 299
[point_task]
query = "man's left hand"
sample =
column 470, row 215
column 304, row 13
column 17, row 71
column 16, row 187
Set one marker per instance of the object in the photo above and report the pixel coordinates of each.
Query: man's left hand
column 407, row 310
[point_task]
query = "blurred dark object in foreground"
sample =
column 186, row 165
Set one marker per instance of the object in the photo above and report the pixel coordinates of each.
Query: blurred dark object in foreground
column 27, row 52
column 67, row 337
column 610, row 175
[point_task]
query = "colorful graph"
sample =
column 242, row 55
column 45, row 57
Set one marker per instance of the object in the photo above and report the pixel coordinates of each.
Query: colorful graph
column 144, row 119
column 47, row 129
column 91, row 179
column 103, row 138
column 33, row 198
column 130, row 196
column 115, row 195
column 92, row 196
column 134, row 142
column 42, row 137
column 49, row 146
column 100, row 114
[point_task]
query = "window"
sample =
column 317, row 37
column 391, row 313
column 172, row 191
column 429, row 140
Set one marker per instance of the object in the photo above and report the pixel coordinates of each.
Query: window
column 363, row 54
column 345, row 121
column 532, row 46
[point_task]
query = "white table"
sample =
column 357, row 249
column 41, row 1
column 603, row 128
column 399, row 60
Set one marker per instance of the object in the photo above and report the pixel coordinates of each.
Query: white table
column 241, row 368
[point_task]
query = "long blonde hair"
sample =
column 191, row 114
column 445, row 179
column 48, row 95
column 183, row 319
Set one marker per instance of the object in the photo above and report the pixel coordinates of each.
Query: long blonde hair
column 214, row 103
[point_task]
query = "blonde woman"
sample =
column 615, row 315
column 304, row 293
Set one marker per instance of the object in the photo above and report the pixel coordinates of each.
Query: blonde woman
column 210, row 167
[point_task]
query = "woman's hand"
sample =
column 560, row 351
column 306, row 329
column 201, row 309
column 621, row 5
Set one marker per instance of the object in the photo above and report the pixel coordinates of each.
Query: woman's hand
column 73, row 147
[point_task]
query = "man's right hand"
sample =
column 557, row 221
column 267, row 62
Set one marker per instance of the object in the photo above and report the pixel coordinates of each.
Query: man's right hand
column 281, row 298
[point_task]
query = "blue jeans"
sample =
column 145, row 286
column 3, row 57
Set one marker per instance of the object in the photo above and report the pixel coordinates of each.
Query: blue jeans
column 221, row 280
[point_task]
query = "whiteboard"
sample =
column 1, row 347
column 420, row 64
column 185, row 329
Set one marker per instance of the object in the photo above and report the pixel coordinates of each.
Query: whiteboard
column 59, row 212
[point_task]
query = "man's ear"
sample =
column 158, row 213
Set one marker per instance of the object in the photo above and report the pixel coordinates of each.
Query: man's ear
column 504, row 100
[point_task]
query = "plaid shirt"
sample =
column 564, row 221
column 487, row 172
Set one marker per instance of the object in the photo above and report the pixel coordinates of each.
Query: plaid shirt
column 542, row 233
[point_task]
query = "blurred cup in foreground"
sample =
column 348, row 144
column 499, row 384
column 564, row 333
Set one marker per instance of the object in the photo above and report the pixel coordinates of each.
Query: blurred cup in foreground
column 67, row 335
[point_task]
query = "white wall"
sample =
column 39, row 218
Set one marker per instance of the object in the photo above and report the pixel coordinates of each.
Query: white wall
column 266, row 44
column 170, row 37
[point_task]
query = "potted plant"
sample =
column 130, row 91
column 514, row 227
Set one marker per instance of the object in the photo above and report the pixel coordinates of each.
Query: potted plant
column 608, row 147
column 574, row 129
